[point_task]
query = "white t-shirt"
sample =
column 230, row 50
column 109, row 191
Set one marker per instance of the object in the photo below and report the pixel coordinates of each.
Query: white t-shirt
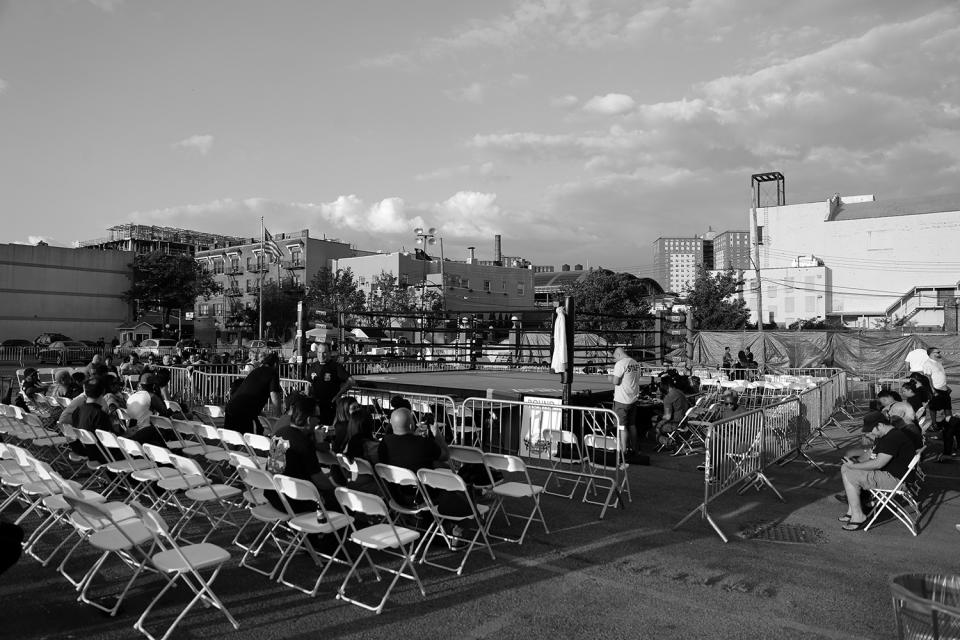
column 628, row 390
column 934, row 370
column 138, row 407
column 916, row 358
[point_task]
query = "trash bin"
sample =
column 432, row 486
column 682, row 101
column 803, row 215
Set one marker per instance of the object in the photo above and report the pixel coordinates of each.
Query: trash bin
column 926, row 606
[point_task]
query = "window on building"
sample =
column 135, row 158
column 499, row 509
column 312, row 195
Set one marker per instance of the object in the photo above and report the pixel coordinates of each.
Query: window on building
column 296, row 281
column 759, row 235
column 809, row 304
column 503, row 284
column 235, row 263
column 486, row 286
column 521, row 290
column 204, row 309
column 465, row 283
column 218, row 308
column 249, row 262
column 296, row 256
column 218, row 265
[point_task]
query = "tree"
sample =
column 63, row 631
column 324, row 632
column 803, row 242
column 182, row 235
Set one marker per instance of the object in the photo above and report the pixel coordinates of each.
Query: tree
column 335, row 292
column 165, row 282
column 621, row 297
column 279, row 309
column 389, row 297
column 715, row 302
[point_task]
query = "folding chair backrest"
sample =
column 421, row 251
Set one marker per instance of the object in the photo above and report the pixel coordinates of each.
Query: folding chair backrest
column 444, row 480
column 465, row 455
column 242, row 460
column 130, row 447
column 296, row 489
column 257, row 479
column 559, row 436
column 109, row 442
column 87, row 438
column 186, row 466
column 231, row 438
column 510, row 464
column 213, row 410
column 608, row 443
column 257, row 442
column 396, row 475
column 159, row 455
column 161, row 422
column 360, row 502
column 205, row 431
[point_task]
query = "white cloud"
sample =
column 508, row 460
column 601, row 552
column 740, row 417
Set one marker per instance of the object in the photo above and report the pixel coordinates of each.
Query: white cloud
column 610, row 105
column 197, row 142
column 35, row 240
column 564, row 102
column 473, row 92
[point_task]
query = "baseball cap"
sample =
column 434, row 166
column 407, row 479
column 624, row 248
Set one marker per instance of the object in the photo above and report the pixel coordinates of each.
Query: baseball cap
column 871, row 420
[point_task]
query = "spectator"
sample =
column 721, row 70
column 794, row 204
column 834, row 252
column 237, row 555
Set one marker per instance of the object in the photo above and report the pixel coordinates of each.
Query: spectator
column 95, row 361
column 32, row 399
column 142, row 404
column 626, row 392
column 730, row 404
column 329, row 380
column 62, row 385
column 399, row 402
column 346, row 406
column 914, row 394
column 675, row 407
column 360, row 442
column 727, row 362
column 251, row 397
column 916, row 358
column 893, row 405
column 109, row 364
column 950, row 430
column 132, row 367
column 933, row 369
column 892, row 455
column 301, row 456
column 403, row 448
column 91, row 416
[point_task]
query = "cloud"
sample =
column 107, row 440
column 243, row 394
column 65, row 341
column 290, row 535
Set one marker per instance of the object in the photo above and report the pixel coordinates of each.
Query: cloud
column 483, row 170
column 197, row 142
column 610, row 105
column 564, row 102
column 35, row 240
column 106, row 5
column 473, row 92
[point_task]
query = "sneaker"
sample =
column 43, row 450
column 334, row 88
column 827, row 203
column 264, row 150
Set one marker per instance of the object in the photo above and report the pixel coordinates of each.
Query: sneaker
column 457, row 542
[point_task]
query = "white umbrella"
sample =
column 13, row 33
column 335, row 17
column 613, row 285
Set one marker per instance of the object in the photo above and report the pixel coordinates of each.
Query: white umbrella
column 560, row 358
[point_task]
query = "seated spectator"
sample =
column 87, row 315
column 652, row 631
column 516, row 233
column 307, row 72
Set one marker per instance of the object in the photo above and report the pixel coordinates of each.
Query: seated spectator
column 360, row 440
column 142, row 404
column 95, row 361
column 950, row 430
column 675, row 407
column 91, row 416
column 301, row 457
column 150, row 364
column 403, row 448
column 868, row 437
column 914, row 394
column 730, row 404
column 62, row 385
column 892, row 455
column 893, row 405
column 337, row 434
column 109, row 364
column 132, row 367
column 32, row 399
column 78, row 401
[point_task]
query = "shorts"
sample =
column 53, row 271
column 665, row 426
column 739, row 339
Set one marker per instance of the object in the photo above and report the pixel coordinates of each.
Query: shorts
column 941, row 400
column 626, row 413
column 871, row 478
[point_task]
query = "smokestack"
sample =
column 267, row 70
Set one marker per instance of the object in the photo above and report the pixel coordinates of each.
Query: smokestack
column 497, row 254
column 473, row 255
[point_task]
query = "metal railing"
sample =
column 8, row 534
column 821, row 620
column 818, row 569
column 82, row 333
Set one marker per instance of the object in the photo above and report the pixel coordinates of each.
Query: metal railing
column 531, row 430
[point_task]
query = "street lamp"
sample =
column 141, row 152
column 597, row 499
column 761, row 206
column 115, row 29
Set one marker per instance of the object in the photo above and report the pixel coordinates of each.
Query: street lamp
column 517, row 325
column 269, row 324
column 430, row 237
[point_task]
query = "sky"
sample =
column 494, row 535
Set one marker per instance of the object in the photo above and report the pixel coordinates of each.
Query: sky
column 579, row 130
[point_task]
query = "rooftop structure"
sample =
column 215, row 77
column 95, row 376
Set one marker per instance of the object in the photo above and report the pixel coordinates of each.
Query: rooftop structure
column 141, row 238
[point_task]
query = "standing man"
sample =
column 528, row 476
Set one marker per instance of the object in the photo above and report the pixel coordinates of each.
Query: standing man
column 328, row 381
column 626, row 391
column 933, row 369
column 727, row 360
column 251, row 396
column 916, row 359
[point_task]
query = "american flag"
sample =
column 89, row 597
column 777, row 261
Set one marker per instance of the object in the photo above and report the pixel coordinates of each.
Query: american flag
column 270, row 247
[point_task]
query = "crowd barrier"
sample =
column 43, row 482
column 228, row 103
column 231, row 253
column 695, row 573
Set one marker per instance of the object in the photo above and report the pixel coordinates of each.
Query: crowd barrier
column 440, row 409
column 579, row 448
column 738, row 450
column 863, row 386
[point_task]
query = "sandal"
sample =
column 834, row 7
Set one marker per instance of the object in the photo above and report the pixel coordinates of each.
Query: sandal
column 844, row 518
column 854, row 526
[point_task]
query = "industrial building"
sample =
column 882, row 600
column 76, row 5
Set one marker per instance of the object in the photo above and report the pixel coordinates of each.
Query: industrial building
column 140, row 239
column 71, row 291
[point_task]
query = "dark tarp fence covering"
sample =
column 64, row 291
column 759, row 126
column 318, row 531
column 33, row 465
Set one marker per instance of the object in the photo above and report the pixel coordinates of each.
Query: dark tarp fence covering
column 850, row 351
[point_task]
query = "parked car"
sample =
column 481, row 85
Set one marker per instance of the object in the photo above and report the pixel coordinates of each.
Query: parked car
column 66, row 352
column 16, row 342
column 157, row 347
column 189, row 344
column 91, row 343
column 47, row 339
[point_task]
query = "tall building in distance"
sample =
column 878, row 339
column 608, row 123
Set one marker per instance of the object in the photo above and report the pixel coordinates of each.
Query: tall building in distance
column 731, row 250
column 141, row 238
column 676, row 261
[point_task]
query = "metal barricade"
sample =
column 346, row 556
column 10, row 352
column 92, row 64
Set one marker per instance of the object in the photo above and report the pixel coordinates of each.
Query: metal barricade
column 583, row 445
column 180, row 385
column 212, row 388
column 781, row 425
column 734, row 457
column 288, row 385
column 441, row 409
column 863, row 386
column 17, row 354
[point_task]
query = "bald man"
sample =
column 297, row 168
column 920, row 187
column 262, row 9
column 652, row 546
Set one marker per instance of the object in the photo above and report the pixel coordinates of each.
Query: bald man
column 626, row 390
column 403, row 448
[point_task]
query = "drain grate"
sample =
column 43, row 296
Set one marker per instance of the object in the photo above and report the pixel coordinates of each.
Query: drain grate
column 782, row 532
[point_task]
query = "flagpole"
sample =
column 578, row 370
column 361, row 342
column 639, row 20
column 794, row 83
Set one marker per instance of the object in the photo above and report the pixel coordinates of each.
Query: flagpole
column 260, row 275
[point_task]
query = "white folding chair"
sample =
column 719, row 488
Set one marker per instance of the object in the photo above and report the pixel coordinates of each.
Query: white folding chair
column 318, row 521
column 119, row 464
column 562, row 449
column 385, row 537
column 887, row 499
column 257, row 482
column 443, row 482
column 185, row 563
column 359, row 468
column 611, row 464
column 398, row 480
column 204, row 493
column 520, row 489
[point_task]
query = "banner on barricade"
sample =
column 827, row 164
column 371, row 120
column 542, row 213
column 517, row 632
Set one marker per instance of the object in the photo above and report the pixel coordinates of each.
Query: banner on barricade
column 539, row 414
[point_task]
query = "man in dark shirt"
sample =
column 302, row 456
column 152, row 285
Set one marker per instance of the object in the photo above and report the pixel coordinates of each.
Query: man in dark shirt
column 328, row 381
column 301, row 456
column 892, row 455
column 90, row 416
column 675, row 405
column 403, row 448
column 251, row 396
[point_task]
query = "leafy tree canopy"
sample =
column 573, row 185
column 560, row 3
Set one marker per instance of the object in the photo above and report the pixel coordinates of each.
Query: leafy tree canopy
column 335, row 292
column 715, row 301
column 163, row 281
column 620, row 296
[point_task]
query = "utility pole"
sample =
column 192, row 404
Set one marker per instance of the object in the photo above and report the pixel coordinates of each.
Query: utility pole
column 756, row 253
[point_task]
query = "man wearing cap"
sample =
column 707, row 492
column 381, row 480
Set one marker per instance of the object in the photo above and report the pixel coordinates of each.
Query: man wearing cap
column 251, row 396
column 328, row 381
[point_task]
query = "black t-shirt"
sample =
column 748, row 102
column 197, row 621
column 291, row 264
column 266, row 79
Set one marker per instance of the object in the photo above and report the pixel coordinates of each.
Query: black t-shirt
column 409, row 451
column 255, row 390
column 91, row 416
column 302, row 455
column 326, row 379
column 898, row 445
